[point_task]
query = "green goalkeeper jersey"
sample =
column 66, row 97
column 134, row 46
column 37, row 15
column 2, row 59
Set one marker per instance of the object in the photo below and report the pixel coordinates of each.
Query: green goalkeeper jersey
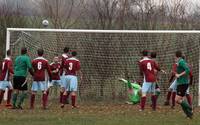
column 181, row 67
column 133, row 91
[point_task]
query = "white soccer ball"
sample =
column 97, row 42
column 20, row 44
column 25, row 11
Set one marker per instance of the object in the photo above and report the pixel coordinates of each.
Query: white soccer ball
column 45, row 23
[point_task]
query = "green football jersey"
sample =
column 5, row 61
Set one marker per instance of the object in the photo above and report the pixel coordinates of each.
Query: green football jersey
column 133, row 91
column 181, row 67
column 21, row 65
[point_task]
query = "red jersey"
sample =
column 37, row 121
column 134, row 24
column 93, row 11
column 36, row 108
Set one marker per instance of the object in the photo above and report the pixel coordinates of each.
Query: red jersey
column 72, row 65
column 148, row 67
column 55, row 69
column 6, row 68
column 64, row 57
column 40, row 66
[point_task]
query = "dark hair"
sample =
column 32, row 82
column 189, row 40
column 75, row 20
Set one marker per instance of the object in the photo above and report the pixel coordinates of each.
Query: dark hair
column 153, row 54
column 40, row 52
column 8, row 52
column 66, row 49
column 74, row 53
column 23, row 50
column 179, row 54
column 144, row 53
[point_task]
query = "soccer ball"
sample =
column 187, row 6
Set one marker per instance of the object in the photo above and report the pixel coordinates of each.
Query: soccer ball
column 45, row 23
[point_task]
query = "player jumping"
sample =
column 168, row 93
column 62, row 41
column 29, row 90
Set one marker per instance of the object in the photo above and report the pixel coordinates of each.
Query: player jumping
column 64, row 57
column 134, row 91
column 55, row 70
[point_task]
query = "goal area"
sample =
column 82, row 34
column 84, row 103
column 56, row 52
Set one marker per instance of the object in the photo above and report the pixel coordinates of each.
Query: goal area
column 107, row 55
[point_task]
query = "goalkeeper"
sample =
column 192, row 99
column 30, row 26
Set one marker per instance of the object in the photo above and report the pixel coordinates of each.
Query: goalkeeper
column 134, row 91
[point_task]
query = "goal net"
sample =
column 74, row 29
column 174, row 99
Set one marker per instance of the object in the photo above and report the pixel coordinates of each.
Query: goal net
column 107, row 55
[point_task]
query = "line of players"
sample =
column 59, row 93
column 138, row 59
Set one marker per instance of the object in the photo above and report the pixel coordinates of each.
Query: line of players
column 64, row 73
column 183, row 78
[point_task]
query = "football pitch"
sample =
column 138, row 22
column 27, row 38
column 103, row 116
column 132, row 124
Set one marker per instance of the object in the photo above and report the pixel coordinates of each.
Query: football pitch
column 98, row 114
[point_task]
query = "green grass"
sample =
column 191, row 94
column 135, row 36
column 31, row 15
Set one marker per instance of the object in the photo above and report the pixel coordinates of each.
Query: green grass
column 99, row 114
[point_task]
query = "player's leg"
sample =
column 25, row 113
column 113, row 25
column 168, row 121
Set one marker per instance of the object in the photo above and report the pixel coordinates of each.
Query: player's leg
column 73, row 90
column 174, row 88
column 153, row 96
column 189, row 97
column 181, row 92
column 10, row 89
column 43, row 88
column 66, row 93
column 2, row 90
column 157, row 89
column 169, row 93
column 16, row 86
column 23, row 87
column 63, row 84
column 34, row 89
column 145, row 88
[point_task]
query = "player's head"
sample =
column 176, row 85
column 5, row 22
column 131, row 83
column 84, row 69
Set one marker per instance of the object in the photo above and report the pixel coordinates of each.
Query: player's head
column 153, row 55
column 40, row 52
column 145, row 53
column 179, row 54
column 8, row 52
column 73, row 53
column 66, row 50
column 56, row 59
column 23, row 50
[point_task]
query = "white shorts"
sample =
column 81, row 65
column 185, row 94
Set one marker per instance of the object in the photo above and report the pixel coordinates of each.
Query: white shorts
column 54, row 83
column 173, row 86
column 5, row 84
column 39, row 86
column 148, row 87
column 71, row 83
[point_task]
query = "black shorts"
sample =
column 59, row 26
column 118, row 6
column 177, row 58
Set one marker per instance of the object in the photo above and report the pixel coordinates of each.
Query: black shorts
column 181, row 89
column 19, row 83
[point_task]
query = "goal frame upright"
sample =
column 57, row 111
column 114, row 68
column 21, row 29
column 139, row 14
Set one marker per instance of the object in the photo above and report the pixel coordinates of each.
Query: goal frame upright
column 8, row 33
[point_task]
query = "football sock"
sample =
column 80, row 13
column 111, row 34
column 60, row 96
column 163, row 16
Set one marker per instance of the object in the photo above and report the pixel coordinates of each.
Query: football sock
column 173, row 98
column 61, row 96
column 32, row 100
column 73, row 99
column 1, row 96
column 153, row 98
column 9, row 96
column 143, row 101
column 44, row 100
column 168, row 96
column 14, row 99
column 22, row 96
column 189, row 99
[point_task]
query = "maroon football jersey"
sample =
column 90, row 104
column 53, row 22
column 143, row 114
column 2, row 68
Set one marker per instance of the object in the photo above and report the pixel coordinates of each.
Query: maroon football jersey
column 64, row 57
column 55, row 69
column 6, row 69
column 40, row 66
column 148, row 67
column 72, row 65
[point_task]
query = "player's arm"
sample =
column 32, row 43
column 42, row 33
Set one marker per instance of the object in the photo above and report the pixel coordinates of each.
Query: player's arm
column 49, row 72
column 191, row 77
column 62, row 65
column 29, row 65
column 10, row 68
column 140, row 68
column 79, row 72
column 186, row 69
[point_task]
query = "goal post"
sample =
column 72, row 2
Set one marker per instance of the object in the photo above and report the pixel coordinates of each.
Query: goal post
column 106, row 55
